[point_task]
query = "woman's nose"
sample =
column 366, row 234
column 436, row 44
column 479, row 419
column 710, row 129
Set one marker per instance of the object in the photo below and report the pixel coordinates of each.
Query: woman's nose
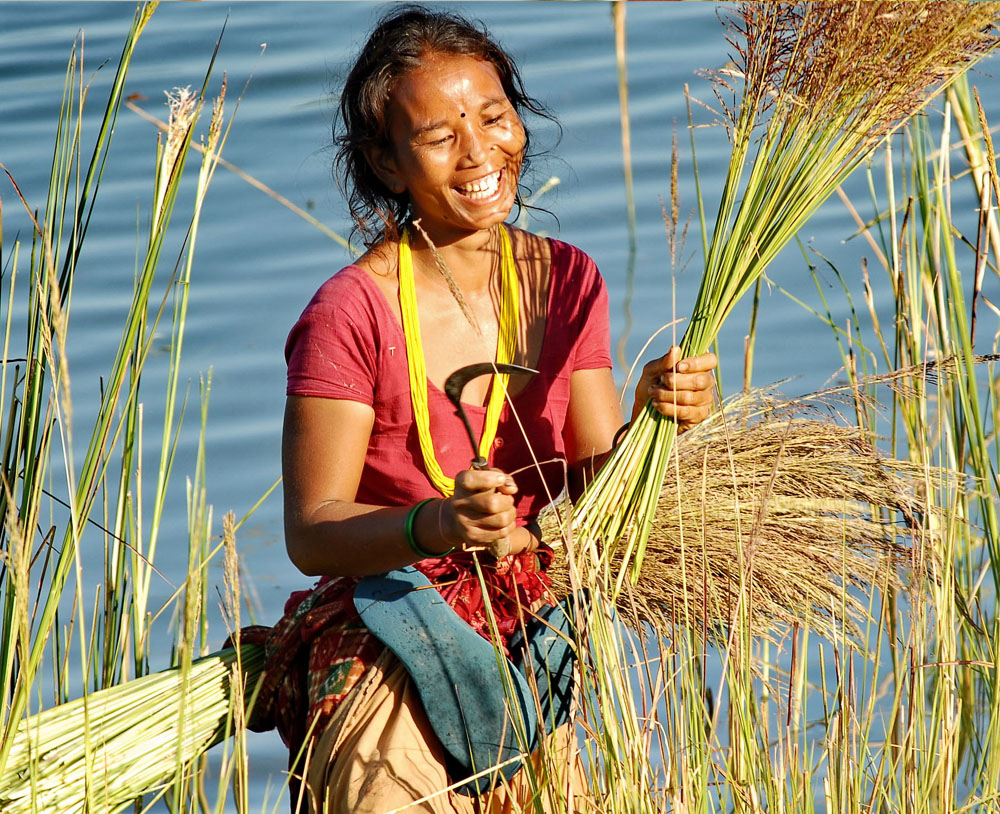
column 475, row 144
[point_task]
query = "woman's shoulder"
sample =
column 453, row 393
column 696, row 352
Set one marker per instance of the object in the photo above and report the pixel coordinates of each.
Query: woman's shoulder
column 570, row 258
column 572, row 268
column 529, row 247
column 563, row 260
column 347, row 319
column 354, row 288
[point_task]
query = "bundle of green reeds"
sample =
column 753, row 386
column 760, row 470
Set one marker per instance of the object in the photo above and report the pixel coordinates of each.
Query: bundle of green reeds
column 822, row 85
column 779, row 513
column 103, row 751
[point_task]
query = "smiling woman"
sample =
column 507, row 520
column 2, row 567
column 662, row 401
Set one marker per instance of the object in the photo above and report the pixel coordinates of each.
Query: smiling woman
column 461, row 171
column 402, row 690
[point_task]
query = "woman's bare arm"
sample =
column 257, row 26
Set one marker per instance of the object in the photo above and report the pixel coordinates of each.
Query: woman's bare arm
column 592, row 419
column 324, row 443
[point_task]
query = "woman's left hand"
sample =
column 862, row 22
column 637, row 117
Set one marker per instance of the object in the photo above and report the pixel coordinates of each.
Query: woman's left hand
column 681, row 389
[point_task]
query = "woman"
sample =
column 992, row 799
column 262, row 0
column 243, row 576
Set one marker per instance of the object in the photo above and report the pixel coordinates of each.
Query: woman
column 432, row 144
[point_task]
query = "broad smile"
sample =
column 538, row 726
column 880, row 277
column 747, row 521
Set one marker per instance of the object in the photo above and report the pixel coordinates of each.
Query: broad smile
column 482, row 189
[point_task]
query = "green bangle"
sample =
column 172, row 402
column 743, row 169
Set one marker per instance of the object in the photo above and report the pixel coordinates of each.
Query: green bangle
column 411, row 538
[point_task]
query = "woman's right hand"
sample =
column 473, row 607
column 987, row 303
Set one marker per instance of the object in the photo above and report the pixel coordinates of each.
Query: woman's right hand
column 481, row 511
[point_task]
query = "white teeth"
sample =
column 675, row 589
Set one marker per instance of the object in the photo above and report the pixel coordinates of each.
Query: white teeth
column 482, row 188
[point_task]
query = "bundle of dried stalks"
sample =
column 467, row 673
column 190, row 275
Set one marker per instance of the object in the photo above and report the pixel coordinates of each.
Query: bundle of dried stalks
column 813, row 89
column 772, row 516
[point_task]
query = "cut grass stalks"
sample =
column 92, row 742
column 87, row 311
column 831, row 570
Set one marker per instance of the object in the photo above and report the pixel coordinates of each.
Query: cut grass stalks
column 55, row 755
column 826, row 82
column 775, row 490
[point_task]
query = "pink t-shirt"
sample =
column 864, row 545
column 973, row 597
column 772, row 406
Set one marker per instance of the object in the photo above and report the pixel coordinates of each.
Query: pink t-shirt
column 349, row 344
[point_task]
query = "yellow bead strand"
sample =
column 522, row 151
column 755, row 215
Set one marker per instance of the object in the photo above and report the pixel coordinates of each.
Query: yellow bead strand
column 510, row 310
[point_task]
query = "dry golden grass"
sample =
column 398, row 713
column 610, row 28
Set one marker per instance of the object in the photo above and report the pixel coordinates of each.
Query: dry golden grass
column 866, row 66
column 779, row 507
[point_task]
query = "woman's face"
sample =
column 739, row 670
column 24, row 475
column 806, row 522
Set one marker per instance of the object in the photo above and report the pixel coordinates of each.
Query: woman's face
column 456, row 145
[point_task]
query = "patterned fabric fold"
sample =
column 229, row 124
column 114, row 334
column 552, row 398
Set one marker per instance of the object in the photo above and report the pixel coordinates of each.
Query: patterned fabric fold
column 319, row 650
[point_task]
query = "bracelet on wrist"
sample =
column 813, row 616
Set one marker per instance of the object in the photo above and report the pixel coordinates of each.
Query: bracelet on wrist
column 411, row 537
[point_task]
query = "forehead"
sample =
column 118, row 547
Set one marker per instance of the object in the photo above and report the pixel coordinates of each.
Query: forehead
column 442, row 86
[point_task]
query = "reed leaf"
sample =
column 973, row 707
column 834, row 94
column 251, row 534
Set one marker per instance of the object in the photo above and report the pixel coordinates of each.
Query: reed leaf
column 43, row 606
column 45, row 409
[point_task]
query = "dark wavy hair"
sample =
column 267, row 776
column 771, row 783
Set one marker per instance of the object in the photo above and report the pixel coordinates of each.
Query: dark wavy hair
column 399, row 43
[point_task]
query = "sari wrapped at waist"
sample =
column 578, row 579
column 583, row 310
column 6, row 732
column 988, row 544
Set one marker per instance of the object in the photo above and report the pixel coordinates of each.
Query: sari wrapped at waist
column 319, row 649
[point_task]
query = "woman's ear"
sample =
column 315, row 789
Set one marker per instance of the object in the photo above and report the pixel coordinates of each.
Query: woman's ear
column 383, row 164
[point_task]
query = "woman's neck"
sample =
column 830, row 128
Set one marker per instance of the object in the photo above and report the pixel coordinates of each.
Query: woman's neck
column 470, row 258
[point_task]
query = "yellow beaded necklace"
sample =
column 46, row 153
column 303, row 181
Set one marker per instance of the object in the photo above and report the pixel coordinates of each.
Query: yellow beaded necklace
column 510, row 309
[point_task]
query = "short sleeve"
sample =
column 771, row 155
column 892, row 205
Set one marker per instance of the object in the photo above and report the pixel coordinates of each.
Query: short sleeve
column 592, row 349
column 332, row 351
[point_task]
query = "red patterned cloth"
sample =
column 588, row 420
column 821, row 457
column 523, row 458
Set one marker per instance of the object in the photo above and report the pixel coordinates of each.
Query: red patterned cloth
column 319, row 649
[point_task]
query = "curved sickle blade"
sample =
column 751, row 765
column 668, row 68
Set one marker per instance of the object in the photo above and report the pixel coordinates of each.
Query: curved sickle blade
column 455, row 384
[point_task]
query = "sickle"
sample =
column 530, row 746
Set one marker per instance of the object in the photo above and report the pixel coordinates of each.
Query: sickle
column 453, row 387
column 455, row 384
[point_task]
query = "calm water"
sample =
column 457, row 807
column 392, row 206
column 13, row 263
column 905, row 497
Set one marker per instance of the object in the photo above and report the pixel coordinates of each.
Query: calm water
column 258, row 264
